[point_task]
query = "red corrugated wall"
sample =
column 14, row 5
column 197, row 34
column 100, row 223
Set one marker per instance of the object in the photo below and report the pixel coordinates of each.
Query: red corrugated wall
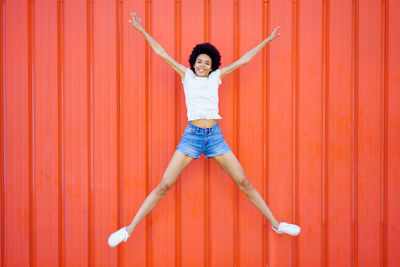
column 90, row 118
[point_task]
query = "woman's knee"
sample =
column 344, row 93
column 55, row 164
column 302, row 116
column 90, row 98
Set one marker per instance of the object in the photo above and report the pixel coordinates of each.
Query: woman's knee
column 244, row 184
column 163, row 188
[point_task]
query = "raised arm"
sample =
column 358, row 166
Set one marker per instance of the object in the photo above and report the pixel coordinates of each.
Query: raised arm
column 249, row 55
column 158, row 49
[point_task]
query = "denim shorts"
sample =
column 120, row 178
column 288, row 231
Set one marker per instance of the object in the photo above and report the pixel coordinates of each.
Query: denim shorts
column 197, row 140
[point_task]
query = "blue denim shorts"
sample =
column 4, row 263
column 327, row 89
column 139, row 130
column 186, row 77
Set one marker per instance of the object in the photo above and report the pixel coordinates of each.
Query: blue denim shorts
column 197, row 140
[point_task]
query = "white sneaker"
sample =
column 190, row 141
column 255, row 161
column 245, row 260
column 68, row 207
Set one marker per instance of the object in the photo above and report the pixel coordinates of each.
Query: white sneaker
column 117, row 237
column 287, row 228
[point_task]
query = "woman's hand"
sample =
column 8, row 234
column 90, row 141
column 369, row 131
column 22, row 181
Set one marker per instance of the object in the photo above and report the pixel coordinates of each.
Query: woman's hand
column 273, row 35
column 136, row 21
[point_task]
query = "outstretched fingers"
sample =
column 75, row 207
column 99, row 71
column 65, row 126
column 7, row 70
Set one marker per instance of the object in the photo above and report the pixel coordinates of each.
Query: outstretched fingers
column 277, row 28
column 274, row 34
column 135, row 21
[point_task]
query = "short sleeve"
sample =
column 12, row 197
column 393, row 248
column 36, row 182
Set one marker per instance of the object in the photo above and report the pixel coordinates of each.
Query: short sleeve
column 188, row 72
column 217, row 74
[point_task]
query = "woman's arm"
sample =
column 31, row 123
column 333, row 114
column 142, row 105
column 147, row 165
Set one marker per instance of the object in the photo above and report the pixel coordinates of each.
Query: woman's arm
column 248, row 56
column 158, row 49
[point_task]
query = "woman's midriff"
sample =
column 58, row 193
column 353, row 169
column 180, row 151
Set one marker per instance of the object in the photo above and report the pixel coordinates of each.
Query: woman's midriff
column 204, row 123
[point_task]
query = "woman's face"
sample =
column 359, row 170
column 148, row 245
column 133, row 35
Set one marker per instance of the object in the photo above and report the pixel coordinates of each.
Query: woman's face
column 202, row 66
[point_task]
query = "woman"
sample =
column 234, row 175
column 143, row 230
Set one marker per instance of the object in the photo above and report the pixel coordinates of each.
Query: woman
column 202, row 134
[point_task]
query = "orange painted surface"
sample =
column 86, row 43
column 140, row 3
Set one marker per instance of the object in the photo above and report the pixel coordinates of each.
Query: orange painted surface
column 90, row 118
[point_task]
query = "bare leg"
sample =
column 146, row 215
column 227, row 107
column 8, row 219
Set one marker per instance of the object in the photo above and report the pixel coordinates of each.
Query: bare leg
column 231, row 165
column 177, row 164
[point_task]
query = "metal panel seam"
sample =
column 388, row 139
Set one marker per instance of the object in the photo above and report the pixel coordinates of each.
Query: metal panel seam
column 265, row 127
column 31, row 119
column 178, row 28
column 61, row 177
column 118, row 37
column 325, row 131
column 2, row 136
column 384, row 136
column 147, row 135
column 295, row 100
column 354, row 131
column 236, row 245
column 90, row 119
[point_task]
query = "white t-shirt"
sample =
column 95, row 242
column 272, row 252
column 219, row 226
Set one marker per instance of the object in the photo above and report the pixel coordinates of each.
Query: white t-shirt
column 201, row 95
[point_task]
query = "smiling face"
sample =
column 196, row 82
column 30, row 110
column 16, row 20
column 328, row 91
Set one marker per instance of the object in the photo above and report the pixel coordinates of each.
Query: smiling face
column 202, row 66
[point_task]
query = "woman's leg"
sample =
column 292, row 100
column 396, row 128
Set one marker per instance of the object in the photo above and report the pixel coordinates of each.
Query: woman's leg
column 177, row 164
column 231, row 165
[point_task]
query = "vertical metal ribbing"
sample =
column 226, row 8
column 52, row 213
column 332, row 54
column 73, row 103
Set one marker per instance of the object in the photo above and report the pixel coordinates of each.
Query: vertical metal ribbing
column 147, row 126
column 31, row 110
column 325, row 131
column 295, row 106
column 236, row 244
column 120, row 191
column 264, row 123
column 2, row 112
column 178, row 248
column 354, row 135
column 384, row 135
column 61, row 176
column 89, row 6
column 207, row 20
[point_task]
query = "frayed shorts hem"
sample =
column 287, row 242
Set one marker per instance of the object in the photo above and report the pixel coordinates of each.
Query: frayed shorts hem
column 207, row 156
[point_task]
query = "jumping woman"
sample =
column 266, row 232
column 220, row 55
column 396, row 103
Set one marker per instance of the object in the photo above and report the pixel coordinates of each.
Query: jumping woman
column 202, row 134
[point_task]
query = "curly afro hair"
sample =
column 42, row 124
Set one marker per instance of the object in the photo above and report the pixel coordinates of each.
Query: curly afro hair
column 208, row 49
